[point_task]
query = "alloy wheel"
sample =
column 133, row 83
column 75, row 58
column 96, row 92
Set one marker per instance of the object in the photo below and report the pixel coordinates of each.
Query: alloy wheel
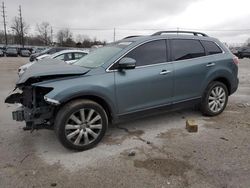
column 83, row 126
column 217, row 99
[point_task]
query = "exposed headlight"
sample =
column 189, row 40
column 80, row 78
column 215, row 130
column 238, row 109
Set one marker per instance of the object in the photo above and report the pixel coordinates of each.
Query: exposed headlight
column 51, row 101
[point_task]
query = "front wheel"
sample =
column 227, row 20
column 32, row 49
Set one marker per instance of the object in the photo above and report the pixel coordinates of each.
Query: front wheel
column 81, row 124
column 214, row 99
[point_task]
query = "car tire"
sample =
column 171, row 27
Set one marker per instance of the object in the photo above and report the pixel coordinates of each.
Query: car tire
column 214, row 99
column 81, row 124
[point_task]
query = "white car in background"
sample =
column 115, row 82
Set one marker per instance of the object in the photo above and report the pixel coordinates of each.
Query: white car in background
column 69, row 56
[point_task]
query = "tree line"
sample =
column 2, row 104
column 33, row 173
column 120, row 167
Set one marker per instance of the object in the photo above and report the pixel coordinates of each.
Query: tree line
column 44, row 36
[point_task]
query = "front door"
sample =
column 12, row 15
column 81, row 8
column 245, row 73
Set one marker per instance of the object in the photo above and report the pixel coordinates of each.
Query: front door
column 150, row 84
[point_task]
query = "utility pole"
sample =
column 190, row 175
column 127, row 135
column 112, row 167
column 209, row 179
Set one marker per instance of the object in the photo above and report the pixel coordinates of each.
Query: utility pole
column 4, row 24
column 51, row 35
column 114, row 35
column 21, row 23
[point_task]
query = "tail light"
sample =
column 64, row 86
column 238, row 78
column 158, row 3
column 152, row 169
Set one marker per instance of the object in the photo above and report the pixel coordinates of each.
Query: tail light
column 236, row 60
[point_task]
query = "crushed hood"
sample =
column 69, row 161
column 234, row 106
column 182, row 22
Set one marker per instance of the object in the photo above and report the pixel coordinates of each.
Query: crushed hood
column 49, row 69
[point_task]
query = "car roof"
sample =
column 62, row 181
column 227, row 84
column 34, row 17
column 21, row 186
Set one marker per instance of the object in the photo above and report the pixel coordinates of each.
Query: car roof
column 170, row 35
column 68, row 51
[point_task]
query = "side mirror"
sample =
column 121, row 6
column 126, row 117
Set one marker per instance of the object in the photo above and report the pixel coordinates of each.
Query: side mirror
column 127, row 63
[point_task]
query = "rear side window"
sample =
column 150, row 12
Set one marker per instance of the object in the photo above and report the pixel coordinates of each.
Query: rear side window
column 79, row 55
column 68, row 57
column 211, row 47
column 150, row 53
column 182, row 49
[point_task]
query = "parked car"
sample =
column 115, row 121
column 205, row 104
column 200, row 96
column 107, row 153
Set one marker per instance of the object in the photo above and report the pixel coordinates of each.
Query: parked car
column 244, row 52
column 3, row 49
column 25, row 53
column 47, row 51
column 69, row 56
column 234, row 51
column 1, row 53
column 11, row 51
column 129, row 77
column 38, row 49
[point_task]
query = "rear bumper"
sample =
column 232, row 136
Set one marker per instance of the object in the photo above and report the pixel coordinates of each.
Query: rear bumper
column 234, row 87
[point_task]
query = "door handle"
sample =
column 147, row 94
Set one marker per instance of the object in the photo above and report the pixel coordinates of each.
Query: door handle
column 210, row 64
column 163, row 72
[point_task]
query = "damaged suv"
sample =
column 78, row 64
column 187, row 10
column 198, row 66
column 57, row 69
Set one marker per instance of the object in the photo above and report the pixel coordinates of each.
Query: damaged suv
column 133, row 75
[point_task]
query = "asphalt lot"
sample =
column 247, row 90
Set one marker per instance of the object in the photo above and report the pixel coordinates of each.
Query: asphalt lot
column 166, row 155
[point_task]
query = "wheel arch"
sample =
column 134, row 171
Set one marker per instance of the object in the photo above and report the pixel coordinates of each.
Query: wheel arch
column 225, row 81
column 100, row 100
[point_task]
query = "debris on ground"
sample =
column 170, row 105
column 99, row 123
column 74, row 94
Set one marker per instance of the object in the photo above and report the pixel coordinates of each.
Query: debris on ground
column 131, row 153
column 243, row 105
column 222, row 138
column 53, row 184
column 191, row 126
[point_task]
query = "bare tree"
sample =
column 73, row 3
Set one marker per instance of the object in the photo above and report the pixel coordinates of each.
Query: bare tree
column 20, row 29
column 64, row 37
column 44, row 32
column 81, row 37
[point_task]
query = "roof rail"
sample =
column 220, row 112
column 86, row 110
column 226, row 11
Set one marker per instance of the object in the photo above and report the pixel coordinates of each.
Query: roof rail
column 177, row 32
column 128, row 37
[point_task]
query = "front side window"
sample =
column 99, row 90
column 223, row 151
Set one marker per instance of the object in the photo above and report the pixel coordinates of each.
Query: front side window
column 65, row 57
column 150, row 53
column 182, row 49
column 211, row 47
column 60, row 57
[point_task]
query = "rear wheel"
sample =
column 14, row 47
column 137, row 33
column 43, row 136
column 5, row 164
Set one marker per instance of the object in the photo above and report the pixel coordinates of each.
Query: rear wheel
column 81, row 124
column 214, row 99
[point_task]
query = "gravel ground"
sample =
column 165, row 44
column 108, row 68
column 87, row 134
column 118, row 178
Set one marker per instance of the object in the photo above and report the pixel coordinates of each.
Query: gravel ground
column 163, row 153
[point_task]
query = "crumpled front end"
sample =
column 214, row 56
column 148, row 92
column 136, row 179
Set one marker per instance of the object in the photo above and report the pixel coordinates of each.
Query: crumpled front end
column 34, row 110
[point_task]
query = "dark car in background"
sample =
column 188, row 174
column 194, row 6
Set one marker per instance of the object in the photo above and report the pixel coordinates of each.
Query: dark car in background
column 48, row 51
column 244, row 52
column 3, row 49
column 11, row 52
column 1, row 53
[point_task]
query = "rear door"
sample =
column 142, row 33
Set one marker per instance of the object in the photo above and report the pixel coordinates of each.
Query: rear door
column 150, row 84
column 190, row 64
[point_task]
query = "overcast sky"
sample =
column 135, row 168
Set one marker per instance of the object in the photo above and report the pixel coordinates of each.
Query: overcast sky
column 228, row 20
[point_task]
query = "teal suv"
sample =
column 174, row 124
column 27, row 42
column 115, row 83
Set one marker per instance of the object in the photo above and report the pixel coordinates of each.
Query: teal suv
column 168, row 69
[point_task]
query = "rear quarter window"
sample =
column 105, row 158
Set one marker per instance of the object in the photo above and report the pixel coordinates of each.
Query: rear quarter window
column 211, row 47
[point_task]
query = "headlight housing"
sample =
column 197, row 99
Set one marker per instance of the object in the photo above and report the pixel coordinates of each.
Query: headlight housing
column 51, row 101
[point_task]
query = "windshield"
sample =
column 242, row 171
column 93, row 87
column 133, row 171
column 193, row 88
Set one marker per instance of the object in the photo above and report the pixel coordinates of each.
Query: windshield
column 98, row 57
